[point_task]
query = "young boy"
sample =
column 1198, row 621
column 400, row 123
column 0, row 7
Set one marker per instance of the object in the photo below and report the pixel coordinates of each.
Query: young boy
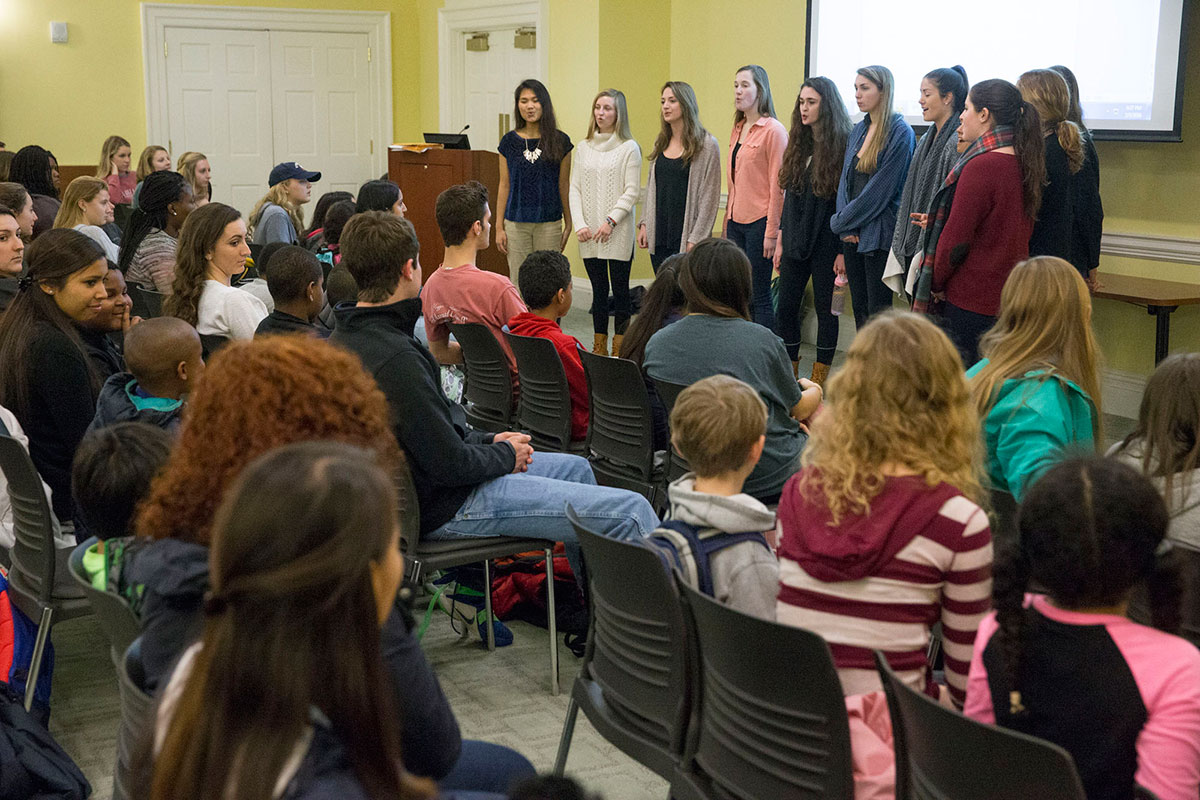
column 545, row 279
column 719, row 425
column 164, row 359
column 459, row 291
column 297, row 285
column 111, row 474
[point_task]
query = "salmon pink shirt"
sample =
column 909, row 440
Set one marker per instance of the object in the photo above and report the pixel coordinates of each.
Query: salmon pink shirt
column 754, row 190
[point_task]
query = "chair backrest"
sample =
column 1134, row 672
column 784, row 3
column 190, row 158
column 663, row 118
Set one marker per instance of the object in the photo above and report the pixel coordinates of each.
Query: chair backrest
column 121, row 625
column 949, row 755
column 146, row 303
column 489, row 393
column 33, row 553
column 410, row 512
column 137, row 719
column 669, row 392
column 1189, row 564
column 544, row 408
column 620, row 429
column 772, row 715
column 636, row 647
column 210, row 343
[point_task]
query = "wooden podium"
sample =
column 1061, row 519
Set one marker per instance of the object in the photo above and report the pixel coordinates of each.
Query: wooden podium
column 423, row 176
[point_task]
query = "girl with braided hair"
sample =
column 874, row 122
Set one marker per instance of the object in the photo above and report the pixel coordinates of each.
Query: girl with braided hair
column 151, row 236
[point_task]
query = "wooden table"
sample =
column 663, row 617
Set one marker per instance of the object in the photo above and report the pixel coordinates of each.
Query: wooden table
column 1160, row 298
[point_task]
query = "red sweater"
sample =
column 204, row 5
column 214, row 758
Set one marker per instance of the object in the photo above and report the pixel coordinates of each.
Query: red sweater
column 529, row 324
column 988, row 217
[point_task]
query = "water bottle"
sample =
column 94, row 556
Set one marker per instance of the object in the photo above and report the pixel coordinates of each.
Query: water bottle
column 839, row 296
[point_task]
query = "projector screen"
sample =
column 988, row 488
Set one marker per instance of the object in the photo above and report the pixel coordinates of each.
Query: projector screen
column 1126, row 54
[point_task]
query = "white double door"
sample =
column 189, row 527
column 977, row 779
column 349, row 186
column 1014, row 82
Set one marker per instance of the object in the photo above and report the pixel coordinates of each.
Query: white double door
column 251, row 99
column 490, row 78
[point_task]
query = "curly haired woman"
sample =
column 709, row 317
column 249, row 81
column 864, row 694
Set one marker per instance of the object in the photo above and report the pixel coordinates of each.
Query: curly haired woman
column 256, row 396
column 882, row 534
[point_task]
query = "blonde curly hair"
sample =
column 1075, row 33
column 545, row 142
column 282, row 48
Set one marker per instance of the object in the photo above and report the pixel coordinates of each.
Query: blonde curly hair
column 900, row 402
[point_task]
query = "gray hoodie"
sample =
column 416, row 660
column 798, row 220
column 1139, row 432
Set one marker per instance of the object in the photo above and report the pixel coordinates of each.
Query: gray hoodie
column 745, row 576
column 1184, row 506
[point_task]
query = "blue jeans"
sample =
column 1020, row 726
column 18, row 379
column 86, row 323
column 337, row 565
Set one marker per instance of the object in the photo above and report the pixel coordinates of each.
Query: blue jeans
column 532, row 504
column 486, row 767
column 749, row 237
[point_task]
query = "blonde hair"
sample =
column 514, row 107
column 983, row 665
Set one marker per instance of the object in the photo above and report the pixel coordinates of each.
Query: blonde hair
column 621, row 127
column 715, row 422
column 145, row 164
column 694, row 134
column 1050, row 94
column 82, row 189
column 1045, row 323
column 278, row 195
column 901, row 399
column 187, row 168
column 881, row 117
column 108, row 151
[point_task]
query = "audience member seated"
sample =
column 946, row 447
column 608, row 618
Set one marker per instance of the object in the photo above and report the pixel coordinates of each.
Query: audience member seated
column 195, row 169
column 257, row 285
column 298, row 288
column 719, row 425
column 165, row 361
column 717, row 337
column 15, row 197
column 111, row 474
column 335, row 221
column 278, row 216
column 46, row 377
column 468, row 483
column 112, row 317
column 34, row 168
column 314, row 236
column 381, row 195
column 116, row 158
column 1066, row 664
column 546, row 289
column 299, row 389
column 154, row 158
column 151, row 239
column 881, row 534
column 1037, row 387
column 305, row 571
column 1165, row 445
column 212, row 249
column 340, row 287
column 12, row 253
column 459, row 291
column 87, row 209
column 64, row 540
column 662, row 305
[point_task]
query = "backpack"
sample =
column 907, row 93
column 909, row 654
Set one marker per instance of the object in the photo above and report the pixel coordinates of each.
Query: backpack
column 689, row 549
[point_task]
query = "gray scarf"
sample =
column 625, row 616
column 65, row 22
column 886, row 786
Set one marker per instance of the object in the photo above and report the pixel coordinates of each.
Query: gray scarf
column 931, row 163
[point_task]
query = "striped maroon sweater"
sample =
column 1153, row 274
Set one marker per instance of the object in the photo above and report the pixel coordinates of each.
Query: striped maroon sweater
column 881, row 581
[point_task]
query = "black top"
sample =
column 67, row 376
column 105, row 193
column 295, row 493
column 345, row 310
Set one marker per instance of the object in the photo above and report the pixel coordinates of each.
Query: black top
column 8, row 290
column 105, row 356
column 805, row 222
column 670, row 200
column 1052, row 232
column 858, row 180
column 282, row 322
column 447, row 458
column 1088, row 211
column 733, row 160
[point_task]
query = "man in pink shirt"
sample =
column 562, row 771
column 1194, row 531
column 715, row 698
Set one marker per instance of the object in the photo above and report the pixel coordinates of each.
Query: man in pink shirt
column 459, row 291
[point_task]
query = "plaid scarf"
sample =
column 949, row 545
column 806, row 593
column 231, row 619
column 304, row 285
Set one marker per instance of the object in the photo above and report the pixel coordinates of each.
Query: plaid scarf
column 939, row 210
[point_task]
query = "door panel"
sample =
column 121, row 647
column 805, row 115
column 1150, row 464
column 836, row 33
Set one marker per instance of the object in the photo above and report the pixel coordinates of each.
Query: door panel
column 491, row 76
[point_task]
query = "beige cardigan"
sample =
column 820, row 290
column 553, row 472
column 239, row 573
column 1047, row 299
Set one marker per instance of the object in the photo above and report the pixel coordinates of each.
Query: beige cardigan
column 703, row 197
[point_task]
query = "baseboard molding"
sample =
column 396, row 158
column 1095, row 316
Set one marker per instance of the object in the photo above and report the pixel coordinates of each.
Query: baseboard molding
column 1151, row 247
column 1122, row 392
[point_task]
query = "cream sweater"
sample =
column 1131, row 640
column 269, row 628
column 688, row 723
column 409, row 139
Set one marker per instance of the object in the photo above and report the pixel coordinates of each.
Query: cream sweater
column 605, row 179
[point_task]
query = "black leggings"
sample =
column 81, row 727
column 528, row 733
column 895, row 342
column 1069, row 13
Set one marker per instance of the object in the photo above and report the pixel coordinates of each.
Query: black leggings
column 793, row 278
column 598, row 270
column 965, row 328
column 660, row 255
column 868, row 293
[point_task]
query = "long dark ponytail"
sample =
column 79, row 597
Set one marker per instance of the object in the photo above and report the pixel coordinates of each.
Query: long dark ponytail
column 1007, row 107
column 159, row 190
column 663, row 297
column 952, row 81
column 549, row 141
column 31, row 168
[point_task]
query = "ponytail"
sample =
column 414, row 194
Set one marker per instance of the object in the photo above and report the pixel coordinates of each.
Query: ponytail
column 1164, row 589
column 1031, row 155
column 1071, row 141
column 1008, row 595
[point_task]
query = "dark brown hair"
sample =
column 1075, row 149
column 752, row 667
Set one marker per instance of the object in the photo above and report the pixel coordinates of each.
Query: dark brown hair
column 458, row 208
column 715, row 279
column 548, row 139
column 375, row 246
column 663, row 298
column 824, row 142
column 1007, row 107
column 201, row 231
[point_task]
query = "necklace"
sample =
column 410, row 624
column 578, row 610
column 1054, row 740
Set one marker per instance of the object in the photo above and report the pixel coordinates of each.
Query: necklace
column 532, row 155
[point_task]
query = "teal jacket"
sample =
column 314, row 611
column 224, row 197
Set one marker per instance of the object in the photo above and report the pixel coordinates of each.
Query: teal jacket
column 1035, row 422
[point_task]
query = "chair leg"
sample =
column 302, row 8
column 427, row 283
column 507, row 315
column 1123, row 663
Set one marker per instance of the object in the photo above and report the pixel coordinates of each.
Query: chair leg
column 35, row 663
column 487, row 605
column 552, row 618
column 414, row 570
column 564, row 741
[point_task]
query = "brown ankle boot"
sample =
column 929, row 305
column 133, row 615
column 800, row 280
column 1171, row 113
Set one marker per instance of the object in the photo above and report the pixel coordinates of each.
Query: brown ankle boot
column 601, row 345
column 819, row 373
column 617, row 337
column 796, row 369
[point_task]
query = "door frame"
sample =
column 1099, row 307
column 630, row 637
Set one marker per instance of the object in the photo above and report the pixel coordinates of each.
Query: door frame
column 480, row 16
column 157, row 17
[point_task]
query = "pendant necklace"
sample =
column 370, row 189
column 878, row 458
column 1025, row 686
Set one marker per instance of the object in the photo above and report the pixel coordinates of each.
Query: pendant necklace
column 532, row 155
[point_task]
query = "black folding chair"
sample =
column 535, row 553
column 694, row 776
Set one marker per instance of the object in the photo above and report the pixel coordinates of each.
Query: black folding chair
column 544, row 408
column 146, row 303
column 942, row 754
column 488, row 396
column 120, row 624
column 1189, row 566
column 137, row 719
column 634, row 685
column 677, row 465
column 621, row 430
column 772, row 717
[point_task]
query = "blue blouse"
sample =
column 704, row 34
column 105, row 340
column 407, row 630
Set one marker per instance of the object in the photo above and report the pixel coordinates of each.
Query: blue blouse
column 871, row 215
column 532, row 185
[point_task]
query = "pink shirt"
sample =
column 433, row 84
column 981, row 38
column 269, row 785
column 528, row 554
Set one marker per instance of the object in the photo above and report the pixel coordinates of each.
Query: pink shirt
column 754, row 190
column 469, row 294
column 120, row 188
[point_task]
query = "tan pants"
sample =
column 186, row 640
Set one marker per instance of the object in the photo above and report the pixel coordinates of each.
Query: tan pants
column 525, row 237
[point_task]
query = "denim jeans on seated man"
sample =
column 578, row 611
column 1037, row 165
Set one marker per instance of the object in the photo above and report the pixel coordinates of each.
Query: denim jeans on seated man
column 532, row 505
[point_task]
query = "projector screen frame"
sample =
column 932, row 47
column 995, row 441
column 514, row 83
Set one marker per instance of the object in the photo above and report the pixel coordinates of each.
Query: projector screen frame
column 1098, row 134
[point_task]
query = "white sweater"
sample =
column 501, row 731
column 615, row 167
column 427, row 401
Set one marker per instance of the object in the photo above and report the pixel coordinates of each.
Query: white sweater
column 229, row 312
column 606, row 177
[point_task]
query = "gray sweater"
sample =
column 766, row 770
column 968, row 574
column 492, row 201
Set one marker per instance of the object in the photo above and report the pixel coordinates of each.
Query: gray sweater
column 703, row 197
column 274, row 225
column 1184, row 505
column 745, row 576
